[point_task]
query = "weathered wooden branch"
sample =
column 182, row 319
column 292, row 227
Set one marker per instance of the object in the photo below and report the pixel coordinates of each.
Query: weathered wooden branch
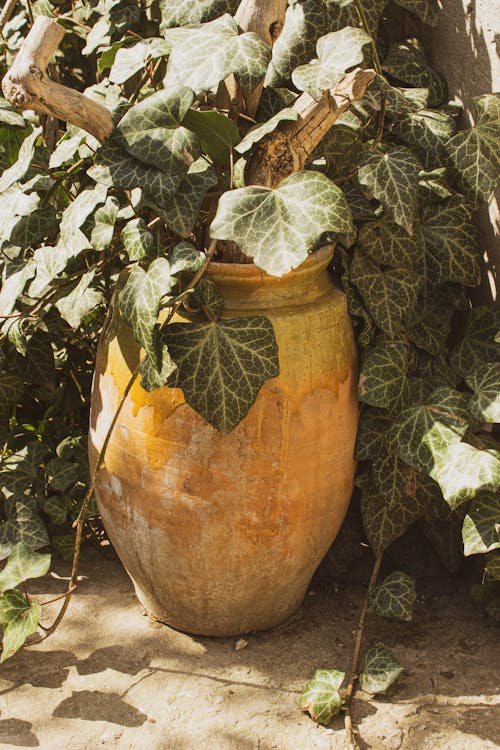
column 26, row 85
column 287, row 149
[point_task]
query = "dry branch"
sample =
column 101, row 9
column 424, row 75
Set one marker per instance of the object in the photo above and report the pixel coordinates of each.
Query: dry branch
column 26, row 85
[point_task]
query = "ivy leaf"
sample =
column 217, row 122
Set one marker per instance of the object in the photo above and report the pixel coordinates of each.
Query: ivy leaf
column 22, row 565
column 39, row 362
column 223, row 365
column 104, row 218
column 337, row 52
column 394, row 597
column 61, row 474
column 131, row 59
column 139, row 303
column 74, row 216
column 14, row 277
column 151, row 376
column 390, row 296
column 50, row 262
column 474, row 154
column 10, row 116
column 321, row 697
column 385, row 519
column 190, row 12
column 463, row 471
column 218, row 134
column 207, row 296
column 181, row 213
column 278, row 228
column 407, row 64
column 481, row 529
column 373, row 425
column 56, row 507
column 19, row 470
column 151, row 131
column 392, row 177
column 493, row 565
column 429, row 129
column 208, row 54
column 433, row 183
column 31, row 230
column 19, row 619
column 137, row 239
column 485, row 382
column 11, row 390
column 425, row 10
column 341, row 150
column 383, row 380
column 380, row 670
column 30, row 529
column 185, row 257
column 480, row 343
column 424, row 434
column 17, row 171
column 451, row 243
column 78, row 303
column 388, row 243
column 259, row 131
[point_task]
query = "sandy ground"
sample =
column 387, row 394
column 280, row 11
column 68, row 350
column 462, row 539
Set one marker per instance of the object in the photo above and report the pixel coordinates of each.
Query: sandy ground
column 112, row 678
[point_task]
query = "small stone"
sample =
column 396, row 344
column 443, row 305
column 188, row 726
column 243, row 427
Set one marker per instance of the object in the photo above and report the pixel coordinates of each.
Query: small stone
column 241, row 643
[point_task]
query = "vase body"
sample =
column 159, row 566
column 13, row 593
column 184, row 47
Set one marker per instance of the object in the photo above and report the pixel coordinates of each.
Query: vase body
column 221, row 534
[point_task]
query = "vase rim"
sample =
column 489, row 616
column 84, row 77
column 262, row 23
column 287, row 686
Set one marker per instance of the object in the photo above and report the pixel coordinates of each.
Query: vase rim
column 320, row 257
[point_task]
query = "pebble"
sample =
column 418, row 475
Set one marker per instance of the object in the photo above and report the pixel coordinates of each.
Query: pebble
column 241, row 643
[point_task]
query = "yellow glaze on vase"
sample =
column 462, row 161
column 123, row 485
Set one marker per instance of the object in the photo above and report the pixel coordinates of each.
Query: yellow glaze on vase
column 221, row 534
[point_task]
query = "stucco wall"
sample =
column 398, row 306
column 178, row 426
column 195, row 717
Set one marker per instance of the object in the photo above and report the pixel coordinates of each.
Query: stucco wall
column 465, row 47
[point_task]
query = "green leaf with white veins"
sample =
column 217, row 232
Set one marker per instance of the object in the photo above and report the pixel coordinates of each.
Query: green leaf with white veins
column 223, row 365
column 22, row 565
column 390, row 296
column 463, row 471
column 185, row 257
column 151, row 131
column 11, row 389
column 181, row 213
column 380, row 670
column 373, row 424
column 337, row 52
column 429, row 129
column 78, row 303
column 383, row 380
column 474, row 154
column 139, row 302
column 14, row 277
column 104, row 218
column 205, row 55
column 425, row 10
column 74, row 216
column 321, row 698
column 388, row 243
column 394, row 597
column 278, row 228
column 407, row 64
column 137, row 239
column 384, row 520
column 19, row 619
column 481, row 529
column 189, row 12
column 30, row 530
column 129, row 60
column 485, row 382
column 392, row 177
column 20, row 167
column 481, row 342
column 19, row 470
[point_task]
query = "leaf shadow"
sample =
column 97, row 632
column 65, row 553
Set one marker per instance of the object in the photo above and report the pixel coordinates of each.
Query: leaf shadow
column 37, row 668
column 16, row 732
column 94, row 705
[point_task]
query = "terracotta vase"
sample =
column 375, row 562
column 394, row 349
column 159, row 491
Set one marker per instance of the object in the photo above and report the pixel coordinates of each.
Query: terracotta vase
column 221, row 534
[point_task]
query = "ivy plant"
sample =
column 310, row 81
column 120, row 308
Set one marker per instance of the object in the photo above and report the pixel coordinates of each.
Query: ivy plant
column 137, row 218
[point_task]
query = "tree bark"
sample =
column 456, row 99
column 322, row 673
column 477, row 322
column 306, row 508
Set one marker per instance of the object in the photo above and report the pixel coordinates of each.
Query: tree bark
column 26, row 85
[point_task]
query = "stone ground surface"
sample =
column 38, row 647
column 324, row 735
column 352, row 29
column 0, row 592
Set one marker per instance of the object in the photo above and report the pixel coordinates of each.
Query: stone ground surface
column 112, row 678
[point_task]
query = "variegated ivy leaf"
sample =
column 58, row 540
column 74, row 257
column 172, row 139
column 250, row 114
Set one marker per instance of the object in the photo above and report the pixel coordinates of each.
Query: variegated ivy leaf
column 481, row 341
column 432, row 505
column 28, row 526
column 74, row 216
column 383, row 380
column 181, row 212
column 425, row 10
column 57, row 507
column 451, row 243
column 462, row 471
column 19, row 619
column 474, row 154
column 22, row 565
column 493, row 565
column 185, row 257
column 222, row 366
column 400, row 101
column 15, row 203
column 392, row 177
column 19, row 470
column 424, row 434
column 321, row 697
column 11, row 390
column 433, row 183
column 65, row 149
column 115, row 168
column 40, row 363
column 394, row 597
column 485, row 382
column 14, row 277
column 9, row 116
column 218, row 134
column 394, row 480
column 431, row 324
column 17, row 171
column 205, row 55
column 78, row 303
column 278, row 228
column 406, row 63
column 337, row 52
column 374, row 424
column 139, row 303
column 190, row 12
column 137, row 239
column 104, row 218
column 339, row 151
column 61, row 474
column 380, row 670
column 151, row 377
column 131, row 59
column 481, row 529
column 151, row 131
column 259, row 131
column 207, row 296
column 429, row 129
column 50, row 262
column 390, row 296
column 384, row 519
column 388, row 243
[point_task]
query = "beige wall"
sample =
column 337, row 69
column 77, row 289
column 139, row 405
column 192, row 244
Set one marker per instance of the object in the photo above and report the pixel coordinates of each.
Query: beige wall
column 465, row 47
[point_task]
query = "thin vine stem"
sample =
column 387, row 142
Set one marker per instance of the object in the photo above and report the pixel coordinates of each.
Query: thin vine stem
column 79, row 523
column 378, row 68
